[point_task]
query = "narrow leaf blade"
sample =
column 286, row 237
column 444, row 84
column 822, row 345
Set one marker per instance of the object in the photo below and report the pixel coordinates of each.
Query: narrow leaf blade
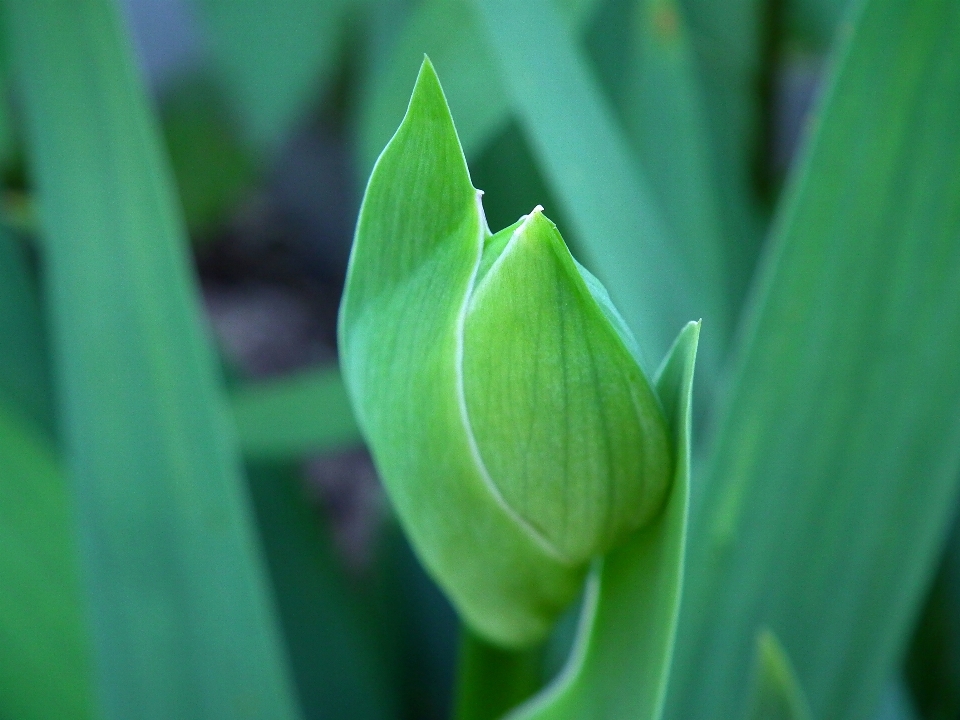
column 274, row 58
column 449, row 32
column 728, row 40
column 658, row 95
column 182, row 619
column 834, row 468
column 293, row 416
column 45, row 668
column 24, row 364
column 621, row 660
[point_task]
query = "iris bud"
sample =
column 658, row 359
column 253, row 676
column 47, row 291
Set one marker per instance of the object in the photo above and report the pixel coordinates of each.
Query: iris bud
column 496, row 385
column 567, row 428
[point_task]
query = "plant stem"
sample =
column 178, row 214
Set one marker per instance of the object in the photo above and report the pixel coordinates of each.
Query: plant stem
column 491, row 680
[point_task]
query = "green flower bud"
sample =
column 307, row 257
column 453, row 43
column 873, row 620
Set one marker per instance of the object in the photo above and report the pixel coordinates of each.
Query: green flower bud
column 497, row 387
column 568, row 431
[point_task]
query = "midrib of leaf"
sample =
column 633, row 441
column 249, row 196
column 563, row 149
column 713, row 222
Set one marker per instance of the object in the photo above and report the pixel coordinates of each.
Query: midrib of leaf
column 182, row 618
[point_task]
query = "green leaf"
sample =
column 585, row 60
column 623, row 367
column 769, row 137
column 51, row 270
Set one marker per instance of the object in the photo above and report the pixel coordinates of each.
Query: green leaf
column 212, row 167
column 728, row 40
column 293, row 416
column 814, row 23
column 513, row 183
column 339, row 668
column 932, row 663
column 45, row 668
column 182, row 618
column 491, row 680
column 274, row 58
column 446, row 30
column 834, row 468
column 9, row 139
column 657, row 92
column 776, row 694
column 449, row 32
column 621, row 659
column 586, row 160
column 24, row 366
column 417, row 252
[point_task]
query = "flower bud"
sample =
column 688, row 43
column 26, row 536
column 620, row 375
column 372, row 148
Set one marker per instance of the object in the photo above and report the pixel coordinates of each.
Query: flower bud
column 567, row 428
column 497, row 388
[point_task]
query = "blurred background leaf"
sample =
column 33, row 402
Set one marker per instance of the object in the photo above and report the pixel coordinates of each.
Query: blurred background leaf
column 295, row 415
column 775, row 693
column 644, row 60
column 332, row 631
column 620, row 232
column 273, row 58
column 272, row 114
column 730, row 41
column 211, row 166
column 45, row 668
column 25, row 383
column 182, row 620
column 832, row 474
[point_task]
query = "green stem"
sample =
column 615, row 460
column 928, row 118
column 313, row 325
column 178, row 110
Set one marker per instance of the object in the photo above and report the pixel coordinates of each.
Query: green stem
column 492, row 680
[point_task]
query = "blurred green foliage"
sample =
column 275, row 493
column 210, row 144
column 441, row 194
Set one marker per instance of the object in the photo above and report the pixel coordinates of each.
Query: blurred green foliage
column 160, row 554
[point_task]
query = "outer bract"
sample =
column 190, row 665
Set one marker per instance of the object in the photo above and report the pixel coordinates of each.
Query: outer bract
column 496, row 386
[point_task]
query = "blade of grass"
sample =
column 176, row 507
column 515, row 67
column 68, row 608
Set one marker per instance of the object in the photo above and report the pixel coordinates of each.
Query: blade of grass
column 274, row 58
column 586, row 160
column 182, row 617
column 45, row 669
column 293, row 416
column 835, row 468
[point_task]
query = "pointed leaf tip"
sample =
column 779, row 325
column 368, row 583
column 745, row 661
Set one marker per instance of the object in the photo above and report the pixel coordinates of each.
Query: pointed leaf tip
column 427, row 91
